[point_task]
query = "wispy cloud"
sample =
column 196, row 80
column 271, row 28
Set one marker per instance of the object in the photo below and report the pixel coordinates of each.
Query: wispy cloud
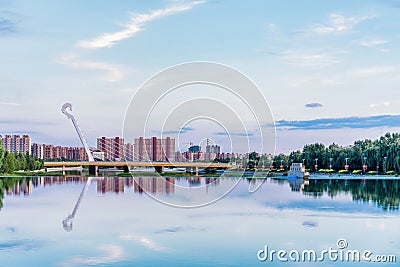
column 136, row 24
column 112, row 254
column 112, row 72
column 6, row 25
column 26, row 121
column 8, row 21
column 374, row 42
column 304, row 59
column 27, row 245
column 234, row 134
column 373, row 71
column 339, row 24
column 339, row 123
column 12, row 104
column 182, row 130
column 384, row 104
column 144, row 241
column 313, row 105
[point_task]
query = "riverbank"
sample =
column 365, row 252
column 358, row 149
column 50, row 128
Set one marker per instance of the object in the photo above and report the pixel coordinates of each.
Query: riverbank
column 231, row 173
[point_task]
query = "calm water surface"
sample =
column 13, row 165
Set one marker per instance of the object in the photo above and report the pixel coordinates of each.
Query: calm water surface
column 124, row 221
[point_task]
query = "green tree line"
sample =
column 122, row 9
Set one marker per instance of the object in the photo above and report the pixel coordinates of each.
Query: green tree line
column 11, row 162
column 382, row 154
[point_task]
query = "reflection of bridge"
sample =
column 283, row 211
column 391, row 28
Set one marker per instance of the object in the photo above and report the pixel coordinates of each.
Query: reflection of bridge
column 158, row 166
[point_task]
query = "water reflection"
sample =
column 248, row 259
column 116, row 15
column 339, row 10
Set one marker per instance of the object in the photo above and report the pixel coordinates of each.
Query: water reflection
column 117, row 224
column 385, row 193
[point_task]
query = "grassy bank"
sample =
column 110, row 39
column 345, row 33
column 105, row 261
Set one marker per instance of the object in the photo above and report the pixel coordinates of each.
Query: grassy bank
column 30, row 174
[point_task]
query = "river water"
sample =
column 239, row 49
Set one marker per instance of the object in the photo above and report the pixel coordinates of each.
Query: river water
column 192, row 221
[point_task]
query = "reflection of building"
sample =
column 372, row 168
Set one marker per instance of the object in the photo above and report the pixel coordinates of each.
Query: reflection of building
column 110, row 184
column 154, row 149
column 16, row 143
column 297, row 185
column 24, row 187
column 154, row 185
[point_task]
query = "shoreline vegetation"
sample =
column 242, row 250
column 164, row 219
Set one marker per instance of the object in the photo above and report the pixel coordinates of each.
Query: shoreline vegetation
column 364, row 157
column 380, row 156
column 11, row 163
column 236, row 174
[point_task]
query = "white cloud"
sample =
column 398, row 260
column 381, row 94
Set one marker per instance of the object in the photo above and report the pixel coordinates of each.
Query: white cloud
column 374, row 42
column 339, row 24
column 384, row 104
column 112, row 254
column 112, row 72
column 144, row 241
column 134, row 26
column 299, row 58
column 373, row 71
column 11, row 104
column 384, row 50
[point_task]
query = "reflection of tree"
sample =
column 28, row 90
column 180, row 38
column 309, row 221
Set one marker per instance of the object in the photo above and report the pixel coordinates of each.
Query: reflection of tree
column 8, row 184
column 1, row 193
column 385, row 193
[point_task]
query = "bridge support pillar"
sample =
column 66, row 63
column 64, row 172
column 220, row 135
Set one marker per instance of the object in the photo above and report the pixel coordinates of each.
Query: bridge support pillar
column 159, row 169
column 93, row 170
column 126, row 169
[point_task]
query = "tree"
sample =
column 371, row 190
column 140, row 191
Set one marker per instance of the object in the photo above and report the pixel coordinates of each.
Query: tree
column 253, row 160
column 1, row 155
column 9, row 163
column 381, row 154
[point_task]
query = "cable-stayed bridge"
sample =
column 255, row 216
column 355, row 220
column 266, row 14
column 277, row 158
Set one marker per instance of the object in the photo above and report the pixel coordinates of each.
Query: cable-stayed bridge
column 125, row 164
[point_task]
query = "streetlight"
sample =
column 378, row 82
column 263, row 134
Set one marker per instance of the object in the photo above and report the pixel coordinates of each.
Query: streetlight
column 316, row 164
column 364, row 164
column 304, row 162
column 346, row 167
column 330, row 163
column 281, row 164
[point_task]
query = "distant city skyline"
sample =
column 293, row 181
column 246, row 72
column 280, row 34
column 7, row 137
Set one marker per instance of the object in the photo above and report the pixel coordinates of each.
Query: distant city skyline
column 328, row 69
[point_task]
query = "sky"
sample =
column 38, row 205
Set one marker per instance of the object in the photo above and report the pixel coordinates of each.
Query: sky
column 329, row 70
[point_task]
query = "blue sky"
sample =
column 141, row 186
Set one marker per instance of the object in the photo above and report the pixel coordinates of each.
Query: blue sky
column 313, row 60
